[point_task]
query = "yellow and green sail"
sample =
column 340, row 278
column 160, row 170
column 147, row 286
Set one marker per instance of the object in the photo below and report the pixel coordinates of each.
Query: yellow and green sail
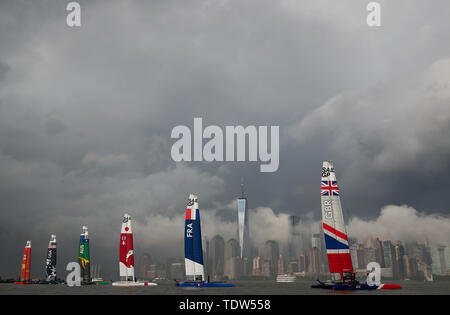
column 84, row 257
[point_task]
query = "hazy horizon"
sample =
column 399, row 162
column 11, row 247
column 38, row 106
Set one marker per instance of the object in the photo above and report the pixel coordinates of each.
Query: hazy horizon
column 86, row 115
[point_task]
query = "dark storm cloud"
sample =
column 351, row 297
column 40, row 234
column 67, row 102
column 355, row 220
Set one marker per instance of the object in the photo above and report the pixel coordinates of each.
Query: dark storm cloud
column 391, row 139
column 86, row 114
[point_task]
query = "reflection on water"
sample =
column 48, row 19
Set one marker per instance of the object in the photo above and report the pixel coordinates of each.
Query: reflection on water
column 242, row 288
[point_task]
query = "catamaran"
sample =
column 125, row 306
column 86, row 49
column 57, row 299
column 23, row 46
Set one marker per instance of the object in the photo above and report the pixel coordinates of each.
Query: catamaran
column 84, row 258
column 50, row 263
column 195, row 273
column 336, row 241
column 25, row 277
column 126, row 257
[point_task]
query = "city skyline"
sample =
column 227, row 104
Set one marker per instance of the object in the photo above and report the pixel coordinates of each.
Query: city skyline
column 307, row 233
column 398, row 261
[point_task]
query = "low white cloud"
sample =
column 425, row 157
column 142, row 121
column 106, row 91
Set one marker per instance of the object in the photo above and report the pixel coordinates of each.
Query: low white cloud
column 402, row 223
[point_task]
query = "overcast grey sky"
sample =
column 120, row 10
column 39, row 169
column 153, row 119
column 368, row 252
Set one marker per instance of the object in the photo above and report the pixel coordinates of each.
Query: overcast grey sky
column 86, row 115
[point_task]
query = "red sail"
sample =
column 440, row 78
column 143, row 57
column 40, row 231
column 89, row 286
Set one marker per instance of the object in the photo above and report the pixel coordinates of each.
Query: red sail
column 25, row 276
column 126, row 249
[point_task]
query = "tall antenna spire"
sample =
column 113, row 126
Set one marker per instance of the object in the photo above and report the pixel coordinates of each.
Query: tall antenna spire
column 242, row 187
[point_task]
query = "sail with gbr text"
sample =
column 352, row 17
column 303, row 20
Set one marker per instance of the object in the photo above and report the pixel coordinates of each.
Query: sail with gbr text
column 335, row 234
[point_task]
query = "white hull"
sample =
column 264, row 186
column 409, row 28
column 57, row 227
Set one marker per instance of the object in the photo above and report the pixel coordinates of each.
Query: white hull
column 133, row 284
column 286, row 278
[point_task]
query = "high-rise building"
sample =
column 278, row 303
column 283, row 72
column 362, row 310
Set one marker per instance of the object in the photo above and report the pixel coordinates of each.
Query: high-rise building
column 233, row 268
column 302, row 263
column 144, row 263
column 216, row 258
column 379, row 255
column 399, row 267
column 156, row 271
column 388, row 251
column 315, row 241
column 314, row 263
column 271, row 254
column 360, row 256
column 353, row 246
column 231, row 249
column 175, row 269
column 261, row 267
column 369, row 255
column 281, row 265
column 206, row 255
column 439, row 257
column 413, row 268
column 243, row 234
column 295, row 242
column 257, row 266
column 292, row 266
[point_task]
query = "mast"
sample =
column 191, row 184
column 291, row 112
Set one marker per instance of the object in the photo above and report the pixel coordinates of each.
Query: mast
column 335, row 234
column 126, row 252
column 51, row 259
column 193, row 241
column 84, row 256
column 26, row 264
column 243, row 224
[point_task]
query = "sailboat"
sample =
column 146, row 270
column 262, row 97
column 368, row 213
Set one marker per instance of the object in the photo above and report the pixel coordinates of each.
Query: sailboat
column 195, row 273
column 25, row 277
column 126, row 257
column 84, row 258
column 336, row 240
column 50, row 263
column 95, row 272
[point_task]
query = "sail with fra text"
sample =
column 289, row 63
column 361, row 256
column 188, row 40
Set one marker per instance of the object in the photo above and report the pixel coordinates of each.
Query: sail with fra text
column 193, row 242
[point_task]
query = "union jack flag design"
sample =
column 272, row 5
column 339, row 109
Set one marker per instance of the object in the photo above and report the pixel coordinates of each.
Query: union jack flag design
column 329, row 188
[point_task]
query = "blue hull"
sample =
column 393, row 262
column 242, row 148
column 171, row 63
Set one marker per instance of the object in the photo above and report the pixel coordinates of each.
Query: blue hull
column 354, row 287
column 345, row 286
column 203, row 284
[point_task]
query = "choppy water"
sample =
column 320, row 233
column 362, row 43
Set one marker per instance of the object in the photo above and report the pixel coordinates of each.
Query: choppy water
column 242, row 288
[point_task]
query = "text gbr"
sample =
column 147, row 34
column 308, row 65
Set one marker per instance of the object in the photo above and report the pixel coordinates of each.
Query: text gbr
column 213, row 149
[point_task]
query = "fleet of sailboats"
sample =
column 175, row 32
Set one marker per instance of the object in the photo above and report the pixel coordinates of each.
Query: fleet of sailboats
column 334, row 231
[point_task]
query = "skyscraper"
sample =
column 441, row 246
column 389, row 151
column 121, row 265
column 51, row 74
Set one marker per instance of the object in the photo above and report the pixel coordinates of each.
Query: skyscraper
column 234, row 264
column 243, row 235
column 388, row 253
column 379, row 255
column 216, row 256
column 314, row 263
column 399, row 267
column 440, row 255
column 353, row 246
column 295, row 242
column 144, row 263
column 231, row 249
column 272, row 253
